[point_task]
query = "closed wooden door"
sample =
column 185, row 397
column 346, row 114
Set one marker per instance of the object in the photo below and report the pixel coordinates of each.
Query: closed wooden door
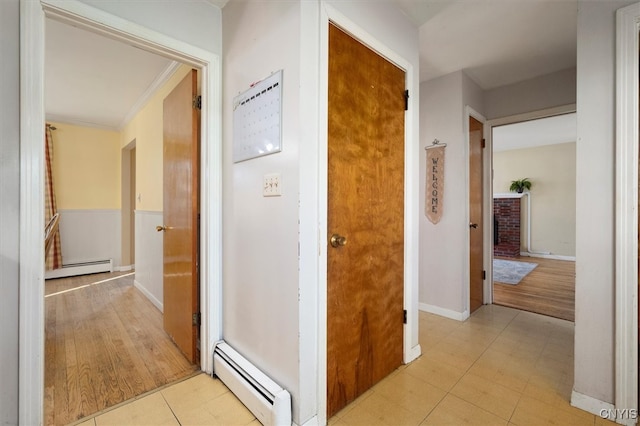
column 181, row 207
column 365, row 277
column 476, row 272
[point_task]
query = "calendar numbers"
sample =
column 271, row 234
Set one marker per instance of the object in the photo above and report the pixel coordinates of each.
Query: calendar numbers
column 257, row 119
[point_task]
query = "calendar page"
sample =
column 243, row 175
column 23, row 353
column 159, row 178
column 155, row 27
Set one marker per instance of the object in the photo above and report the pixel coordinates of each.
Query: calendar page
column 257, row 119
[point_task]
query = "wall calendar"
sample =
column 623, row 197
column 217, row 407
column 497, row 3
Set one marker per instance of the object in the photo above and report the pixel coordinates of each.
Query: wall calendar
column 257, row 119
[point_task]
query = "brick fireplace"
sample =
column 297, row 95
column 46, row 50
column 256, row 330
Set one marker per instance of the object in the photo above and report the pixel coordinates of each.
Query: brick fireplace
column 506, row 224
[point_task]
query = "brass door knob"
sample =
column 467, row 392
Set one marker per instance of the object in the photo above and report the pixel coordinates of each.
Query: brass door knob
column 337, row 240
column 160, row 228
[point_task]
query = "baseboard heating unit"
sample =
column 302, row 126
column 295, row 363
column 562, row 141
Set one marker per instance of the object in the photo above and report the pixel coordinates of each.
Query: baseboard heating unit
column 268, row 401
column 82, row 268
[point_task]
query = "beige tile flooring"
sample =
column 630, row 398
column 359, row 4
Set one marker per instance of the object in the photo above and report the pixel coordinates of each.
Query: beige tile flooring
column 198, row 400
column 500, row 367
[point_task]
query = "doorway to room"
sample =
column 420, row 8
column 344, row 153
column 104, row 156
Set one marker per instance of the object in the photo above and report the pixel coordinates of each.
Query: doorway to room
column 533, row 244
column 104, row 337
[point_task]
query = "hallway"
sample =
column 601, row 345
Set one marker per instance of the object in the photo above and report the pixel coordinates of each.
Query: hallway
column 500, row 367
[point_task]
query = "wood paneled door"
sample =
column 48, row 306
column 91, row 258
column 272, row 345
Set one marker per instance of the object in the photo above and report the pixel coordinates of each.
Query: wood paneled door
column 181, row 146
column 476, row 272
column 365, row 271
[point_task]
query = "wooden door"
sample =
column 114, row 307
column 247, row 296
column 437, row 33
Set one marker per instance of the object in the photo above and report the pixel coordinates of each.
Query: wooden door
column 365, row 277
column 476, row 273
column 181, row 207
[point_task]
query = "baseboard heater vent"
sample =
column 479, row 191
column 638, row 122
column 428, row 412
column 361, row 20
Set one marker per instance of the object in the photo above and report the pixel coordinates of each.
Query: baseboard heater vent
column 81, row 268
column 268, row 401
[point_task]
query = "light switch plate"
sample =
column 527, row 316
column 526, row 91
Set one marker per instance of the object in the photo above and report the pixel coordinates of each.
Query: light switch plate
column 272, row 185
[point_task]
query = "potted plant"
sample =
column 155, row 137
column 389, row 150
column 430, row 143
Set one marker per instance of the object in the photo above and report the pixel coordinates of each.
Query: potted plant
column 520, row 185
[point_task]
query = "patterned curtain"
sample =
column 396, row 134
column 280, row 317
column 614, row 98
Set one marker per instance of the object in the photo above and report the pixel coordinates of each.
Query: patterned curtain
column 54, row 257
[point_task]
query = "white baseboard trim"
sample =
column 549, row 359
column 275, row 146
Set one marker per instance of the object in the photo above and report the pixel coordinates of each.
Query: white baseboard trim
column 590, row 404
column 158, row 304
column 84, row 268
column 413, row 354
column 548, row 256
column 313, row 421
column 126, row 268
column 447, row 313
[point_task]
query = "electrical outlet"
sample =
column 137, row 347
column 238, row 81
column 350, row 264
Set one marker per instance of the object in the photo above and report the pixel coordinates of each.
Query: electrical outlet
column 272, row 185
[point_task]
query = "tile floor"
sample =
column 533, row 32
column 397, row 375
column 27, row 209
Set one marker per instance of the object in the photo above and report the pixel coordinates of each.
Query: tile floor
column 198, row 400
column 500, row 367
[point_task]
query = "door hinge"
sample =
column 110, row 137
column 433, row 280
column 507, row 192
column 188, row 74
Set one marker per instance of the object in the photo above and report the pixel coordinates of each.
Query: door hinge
column 406, row 100
column 195, row 318
column 404, row 316
column 197, row 102
column 484, row 143
column 484, row 275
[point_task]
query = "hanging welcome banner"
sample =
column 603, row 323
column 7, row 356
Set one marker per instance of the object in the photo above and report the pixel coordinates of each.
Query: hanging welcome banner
column 434, row 196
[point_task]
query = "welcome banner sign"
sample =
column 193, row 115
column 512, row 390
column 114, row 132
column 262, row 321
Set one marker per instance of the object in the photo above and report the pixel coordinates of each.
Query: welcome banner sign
column 434, row 195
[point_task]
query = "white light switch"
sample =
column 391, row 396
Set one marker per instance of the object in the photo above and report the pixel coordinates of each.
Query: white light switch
column 272, row 185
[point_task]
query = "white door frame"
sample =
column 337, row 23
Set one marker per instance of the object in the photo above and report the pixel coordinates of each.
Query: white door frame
column 32, row 119
column 314, row 171
column 626, row 282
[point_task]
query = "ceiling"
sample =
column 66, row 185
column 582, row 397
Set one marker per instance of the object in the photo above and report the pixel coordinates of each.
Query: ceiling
column 529, row 134
column 93, row 80
column 496, row 42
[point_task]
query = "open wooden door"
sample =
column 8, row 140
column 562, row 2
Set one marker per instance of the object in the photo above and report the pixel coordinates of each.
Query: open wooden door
column 476, row 272
column 181, row 208
column 365, row 276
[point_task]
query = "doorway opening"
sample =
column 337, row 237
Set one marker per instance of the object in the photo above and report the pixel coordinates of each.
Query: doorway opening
column 31, row 354
column 128, row 204
column 106, row 335
column 534, row 192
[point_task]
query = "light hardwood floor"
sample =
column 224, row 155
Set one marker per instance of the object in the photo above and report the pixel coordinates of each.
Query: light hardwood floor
column 104, row 344
column 549, row 289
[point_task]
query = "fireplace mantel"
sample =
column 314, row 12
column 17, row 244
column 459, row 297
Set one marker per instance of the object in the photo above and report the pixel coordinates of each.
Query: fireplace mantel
column 509, row 194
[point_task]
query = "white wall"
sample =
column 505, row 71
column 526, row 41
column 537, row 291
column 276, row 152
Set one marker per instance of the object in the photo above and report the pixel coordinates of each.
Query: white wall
column 149, row 256
column 547, row 91
column 260, row 249
column 473, row 96
column 595, row 200
column 197, row 22
column 552, row 171
column 444, row 247
column 90, row 235
column 9, row 208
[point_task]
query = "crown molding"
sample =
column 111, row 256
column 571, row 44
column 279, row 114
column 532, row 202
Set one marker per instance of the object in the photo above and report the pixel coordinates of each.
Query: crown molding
column 159, row 81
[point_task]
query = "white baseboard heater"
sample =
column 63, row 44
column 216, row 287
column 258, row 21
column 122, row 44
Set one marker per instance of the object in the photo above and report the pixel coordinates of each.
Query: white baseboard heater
column 268, row 401
column 80, row 268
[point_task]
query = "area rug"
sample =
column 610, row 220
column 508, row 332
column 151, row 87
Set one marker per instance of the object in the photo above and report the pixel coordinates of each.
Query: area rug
column 511, row 271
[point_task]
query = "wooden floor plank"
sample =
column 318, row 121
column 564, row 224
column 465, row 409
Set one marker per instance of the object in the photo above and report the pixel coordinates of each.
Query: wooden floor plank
column 83, row 395
column 548, row 290
column 51, row 352
column 104, row 344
